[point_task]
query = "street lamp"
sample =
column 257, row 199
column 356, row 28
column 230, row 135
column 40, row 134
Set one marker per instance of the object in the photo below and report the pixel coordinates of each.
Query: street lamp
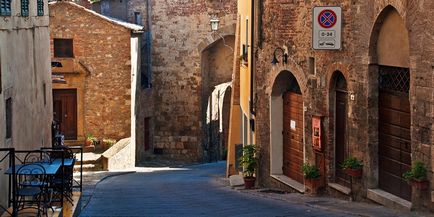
column 214, row 24
column 284, row 56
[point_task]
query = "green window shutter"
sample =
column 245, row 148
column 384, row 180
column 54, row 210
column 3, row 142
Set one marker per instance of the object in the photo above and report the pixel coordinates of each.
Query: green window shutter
column 25, row 8
column 5, row 7
column 40, row 7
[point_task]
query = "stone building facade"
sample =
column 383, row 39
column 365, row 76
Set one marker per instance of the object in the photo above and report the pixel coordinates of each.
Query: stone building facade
column 101, row 61
column 374, row 98
column 181, row 43
column 25, row 75
column 175, row 58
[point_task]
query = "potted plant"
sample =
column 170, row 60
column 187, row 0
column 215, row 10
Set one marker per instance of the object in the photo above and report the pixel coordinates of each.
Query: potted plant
column 352, row 167
column 417, row 176
column 249, row 163
column 311, row 176
column 90, row 140
column 107, row 143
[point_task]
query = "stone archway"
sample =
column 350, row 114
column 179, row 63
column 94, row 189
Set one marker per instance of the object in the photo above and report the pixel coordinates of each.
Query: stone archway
column 287, row 130
column 216, row 73
column 390, row 116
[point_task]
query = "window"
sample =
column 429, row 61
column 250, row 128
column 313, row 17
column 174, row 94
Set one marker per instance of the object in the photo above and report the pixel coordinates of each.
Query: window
column 5, row 7
column 44, row 89
column 63, row 48
column 9, row 118
column 25, row 8
column 40, row 7
column 137, row 18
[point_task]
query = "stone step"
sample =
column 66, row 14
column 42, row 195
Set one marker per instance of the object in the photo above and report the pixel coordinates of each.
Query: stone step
column 88, row 167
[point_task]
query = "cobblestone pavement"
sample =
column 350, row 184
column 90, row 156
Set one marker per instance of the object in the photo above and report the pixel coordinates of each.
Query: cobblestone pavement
column 202, row 190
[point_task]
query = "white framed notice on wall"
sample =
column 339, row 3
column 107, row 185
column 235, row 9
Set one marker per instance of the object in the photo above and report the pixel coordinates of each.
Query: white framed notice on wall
column 327, row 28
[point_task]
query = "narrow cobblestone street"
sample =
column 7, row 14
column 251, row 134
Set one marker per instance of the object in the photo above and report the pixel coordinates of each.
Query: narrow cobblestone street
column 202, row 190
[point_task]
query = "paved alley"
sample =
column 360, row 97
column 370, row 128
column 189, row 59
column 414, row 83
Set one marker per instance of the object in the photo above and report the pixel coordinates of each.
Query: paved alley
column 201, row 190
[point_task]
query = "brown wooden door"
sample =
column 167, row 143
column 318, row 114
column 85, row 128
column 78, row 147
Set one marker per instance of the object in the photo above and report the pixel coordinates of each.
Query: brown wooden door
column 146, row 134
column 293, row 135
column 394, row 150
column 65, row 111
column 341, row 147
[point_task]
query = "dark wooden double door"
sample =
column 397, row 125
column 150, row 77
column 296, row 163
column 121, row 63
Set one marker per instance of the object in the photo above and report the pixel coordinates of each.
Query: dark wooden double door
column 65, row 111
column 394, row 131
column 293, row 136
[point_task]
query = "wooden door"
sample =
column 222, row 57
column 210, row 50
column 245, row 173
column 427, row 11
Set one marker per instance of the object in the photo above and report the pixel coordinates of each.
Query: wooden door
column 146, row 134
column 293, row 135
column 394, row 150
column 341, row 147
column 65, row 111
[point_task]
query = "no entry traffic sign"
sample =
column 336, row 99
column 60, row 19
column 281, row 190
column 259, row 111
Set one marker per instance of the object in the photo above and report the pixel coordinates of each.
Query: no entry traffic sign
column 327, row 25
column 327, row 18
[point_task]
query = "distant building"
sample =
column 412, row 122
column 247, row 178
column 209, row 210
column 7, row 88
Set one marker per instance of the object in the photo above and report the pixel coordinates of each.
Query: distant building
column 100, row 57
column 25, row 78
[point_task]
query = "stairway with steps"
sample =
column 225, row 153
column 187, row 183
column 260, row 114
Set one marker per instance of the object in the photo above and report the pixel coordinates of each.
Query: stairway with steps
column 91, row 162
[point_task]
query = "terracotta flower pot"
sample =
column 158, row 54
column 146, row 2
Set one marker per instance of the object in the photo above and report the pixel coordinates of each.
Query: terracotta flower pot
column 89, row 142
column 313, row 184
column 249, row 182
column 421, row 185
column 357, row 173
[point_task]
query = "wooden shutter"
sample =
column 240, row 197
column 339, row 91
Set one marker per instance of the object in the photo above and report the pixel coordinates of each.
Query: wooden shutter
column 40, row 7
column 5, row 7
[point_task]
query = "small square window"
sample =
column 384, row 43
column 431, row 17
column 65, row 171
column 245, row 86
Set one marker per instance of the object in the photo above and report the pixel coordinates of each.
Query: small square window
column 40, row 8
column 5, row 7
column 63, row 48
column 25, row 8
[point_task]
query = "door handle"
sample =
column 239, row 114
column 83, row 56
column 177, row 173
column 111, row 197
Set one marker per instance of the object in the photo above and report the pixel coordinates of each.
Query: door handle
column 66, row 116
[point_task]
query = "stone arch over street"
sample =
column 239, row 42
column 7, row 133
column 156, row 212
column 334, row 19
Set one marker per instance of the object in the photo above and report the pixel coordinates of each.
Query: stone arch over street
column 216, row 73
column 287, row 129
column 390, row 114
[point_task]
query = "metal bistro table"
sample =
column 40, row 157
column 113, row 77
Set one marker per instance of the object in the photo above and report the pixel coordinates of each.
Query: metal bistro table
column 50, row 170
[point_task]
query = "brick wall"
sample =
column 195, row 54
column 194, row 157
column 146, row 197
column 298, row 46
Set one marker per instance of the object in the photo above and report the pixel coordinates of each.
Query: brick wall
column 180, row 31
column 104, row 48
column 288, row 22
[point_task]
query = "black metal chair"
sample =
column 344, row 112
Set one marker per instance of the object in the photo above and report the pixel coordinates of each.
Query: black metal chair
column 37, row 157
column 63, row 181
column 31, row 188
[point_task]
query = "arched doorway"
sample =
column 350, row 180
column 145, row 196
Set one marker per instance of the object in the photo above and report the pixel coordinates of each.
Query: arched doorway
column 390, row 49
column 216, row 74
column 287, row 127
column 340, row 107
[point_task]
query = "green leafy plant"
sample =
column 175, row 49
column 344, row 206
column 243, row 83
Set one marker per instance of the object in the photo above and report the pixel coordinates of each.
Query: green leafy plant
column 352, row 163
column 310, row 171
column 109, row 142
column 248, row 161
column 91, row 138
column 418, row 172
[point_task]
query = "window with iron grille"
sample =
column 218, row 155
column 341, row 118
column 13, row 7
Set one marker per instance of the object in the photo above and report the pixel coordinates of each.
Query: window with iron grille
column 25, row 8
column 5, row 7
column 63, row 48
column 394, row 79
column 40, row 7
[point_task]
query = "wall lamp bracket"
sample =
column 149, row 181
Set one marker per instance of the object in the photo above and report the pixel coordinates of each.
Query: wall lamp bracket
column 284, row 56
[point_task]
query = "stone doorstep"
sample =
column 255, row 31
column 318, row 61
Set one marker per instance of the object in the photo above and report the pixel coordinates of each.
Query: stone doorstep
column 340, row 188
column 388, row 199
column 236, row 180
column 290, row 182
